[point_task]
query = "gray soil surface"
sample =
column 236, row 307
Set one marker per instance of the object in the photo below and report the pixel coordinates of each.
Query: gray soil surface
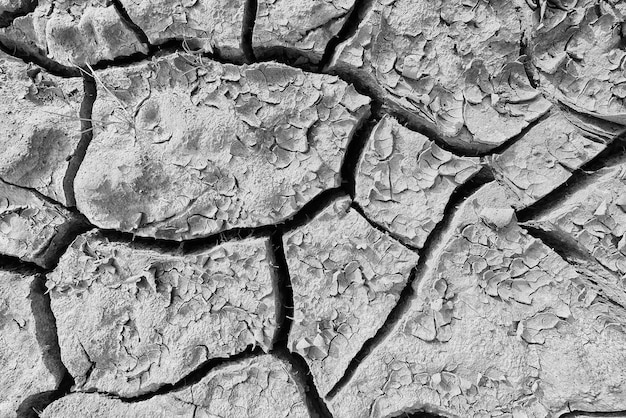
column 322, row 208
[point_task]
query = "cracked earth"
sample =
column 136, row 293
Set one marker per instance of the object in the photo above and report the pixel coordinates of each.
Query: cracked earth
column 323, row 208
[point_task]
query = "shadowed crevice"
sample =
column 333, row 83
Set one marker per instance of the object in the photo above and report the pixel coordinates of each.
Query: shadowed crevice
column 247, row 30
column 192, row 378
column 599, row 414
column 7, row 18
column 432, row 244
column 41, row 60
column 353, row 18
column 48, row 341
column 613, row 154
column 123, row 14
column 302, row 374
column 284, row 292
column 86, row 130
column 582, row 261
column 356, row 146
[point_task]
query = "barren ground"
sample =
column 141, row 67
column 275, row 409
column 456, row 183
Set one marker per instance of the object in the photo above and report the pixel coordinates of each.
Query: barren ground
column 323, row 208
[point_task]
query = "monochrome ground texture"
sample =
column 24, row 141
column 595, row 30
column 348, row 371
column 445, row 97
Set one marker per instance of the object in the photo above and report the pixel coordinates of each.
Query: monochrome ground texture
column 320, row 208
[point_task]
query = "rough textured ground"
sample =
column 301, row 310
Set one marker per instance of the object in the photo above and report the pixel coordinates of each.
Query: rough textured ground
column 321, row 208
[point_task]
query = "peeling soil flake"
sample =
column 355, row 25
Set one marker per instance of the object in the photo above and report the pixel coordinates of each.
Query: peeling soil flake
column 261, row 386
column 346, row 277
column 131, row 319
column 186, row 148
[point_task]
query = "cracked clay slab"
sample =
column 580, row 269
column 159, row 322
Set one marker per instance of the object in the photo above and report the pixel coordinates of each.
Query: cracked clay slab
column 346, row 277
column 577, row 51
column 30, row 365
column 73, row 33
column 133, row 319
column 40, row 127
column 303, row 25
column 186, row 148
column 500, row 325
column 32, row 228
column 547, row 155
column 262, row 386
column 404, row 181
column 454, row 66
column 10, row 9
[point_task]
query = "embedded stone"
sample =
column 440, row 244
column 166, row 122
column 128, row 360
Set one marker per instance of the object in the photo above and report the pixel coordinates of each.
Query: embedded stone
column 29, row 357
column 576, row 49
column 346, row 278
column 32, row 228
column 41, row 128
column 453, row 66
column 186, row 147
column 498, row 324
column 305, row 26
column 73, row 33
column 404, row 181
column 132, row 319
column 262, row 386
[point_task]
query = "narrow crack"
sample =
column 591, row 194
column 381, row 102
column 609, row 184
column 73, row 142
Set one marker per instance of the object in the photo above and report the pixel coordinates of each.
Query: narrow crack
column 582, row 261
column 192, row 378
column 356, row 146
column 42, row 61
column 197, row 245
column 433, row 242
column 301, row 372
column 358, row 208
column 503, row 147
column 47, row 338
column 353, row 18
column 86, row 129
column 121, row 11
column 599, row 414
column 247, row 29
column 613, row 154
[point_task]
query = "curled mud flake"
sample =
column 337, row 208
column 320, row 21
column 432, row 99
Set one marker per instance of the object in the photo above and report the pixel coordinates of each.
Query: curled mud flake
column 256, row 386
column 247, row 151
column 33, row 229
column 499, row 322
column 580, row 62
column 404, row 181
column 41, row 127
column 454, row 66
column 342, row 302
column 210, row 26
column 545, row 157
column 28, row 344
column 305, row 26
column 147, row 318
column 73, row 32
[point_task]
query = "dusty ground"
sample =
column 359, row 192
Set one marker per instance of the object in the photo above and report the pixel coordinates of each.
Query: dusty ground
column 323, row 208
